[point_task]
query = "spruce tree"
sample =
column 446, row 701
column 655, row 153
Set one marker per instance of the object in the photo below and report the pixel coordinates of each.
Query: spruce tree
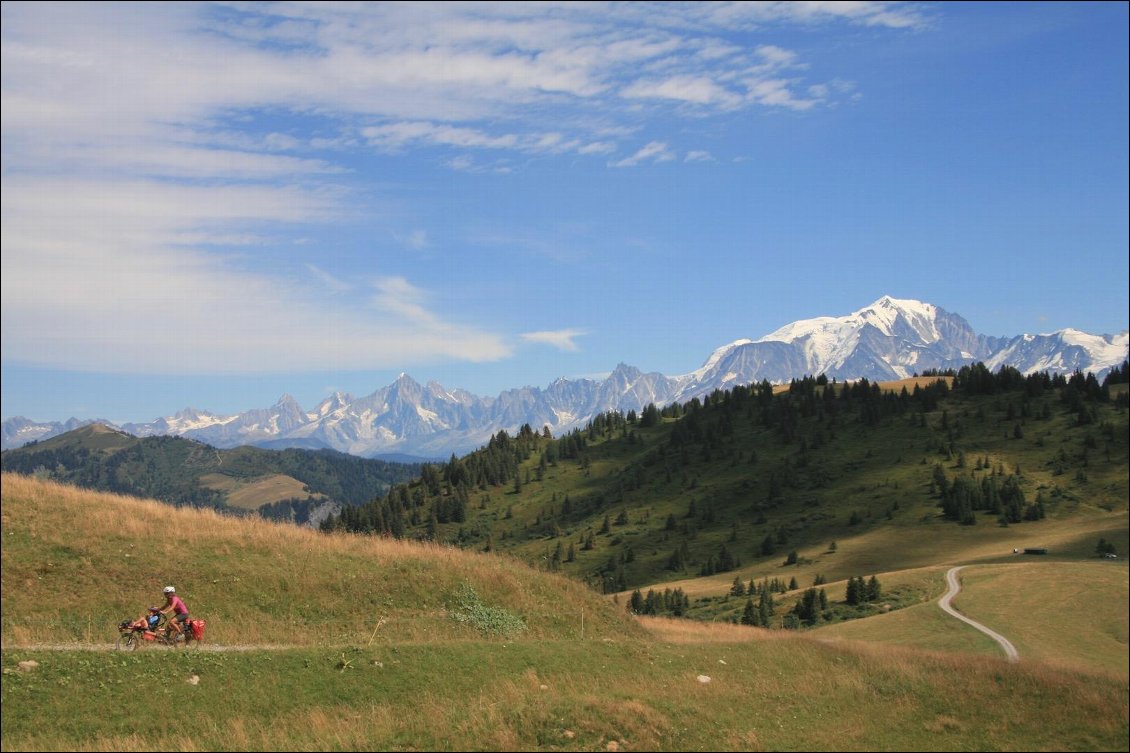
column 750, row 616
column 874, row 593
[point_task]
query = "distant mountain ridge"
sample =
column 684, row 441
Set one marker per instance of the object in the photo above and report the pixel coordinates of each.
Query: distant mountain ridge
column 297, row 484
column 890, row 339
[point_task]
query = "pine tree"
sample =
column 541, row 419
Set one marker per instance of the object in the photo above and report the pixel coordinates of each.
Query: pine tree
column 874, row 593
column 853, row 596
column 635, row 604
column 765, row 607
column 750, row 615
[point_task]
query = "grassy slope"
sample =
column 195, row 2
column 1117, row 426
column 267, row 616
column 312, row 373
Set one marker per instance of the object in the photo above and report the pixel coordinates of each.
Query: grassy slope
column 426, row 683
column 251, row 494
column 1069, row 614
column 75, row 563
column 784, row 694
column 881, row 473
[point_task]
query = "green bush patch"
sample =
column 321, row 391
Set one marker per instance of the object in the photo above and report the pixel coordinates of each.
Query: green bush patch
column 467, row 608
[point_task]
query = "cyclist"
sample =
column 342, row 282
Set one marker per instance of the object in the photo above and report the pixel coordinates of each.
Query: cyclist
column 175, row 609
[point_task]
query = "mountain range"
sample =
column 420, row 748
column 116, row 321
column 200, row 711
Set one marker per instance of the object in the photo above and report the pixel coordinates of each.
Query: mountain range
column 890, row 339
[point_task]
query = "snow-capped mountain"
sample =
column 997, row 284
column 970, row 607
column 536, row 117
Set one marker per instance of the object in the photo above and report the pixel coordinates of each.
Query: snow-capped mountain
column 890, row 339
column 18, row 430
column 1065, row 351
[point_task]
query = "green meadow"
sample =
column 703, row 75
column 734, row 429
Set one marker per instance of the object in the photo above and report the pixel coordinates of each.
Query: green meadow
column 376, row 645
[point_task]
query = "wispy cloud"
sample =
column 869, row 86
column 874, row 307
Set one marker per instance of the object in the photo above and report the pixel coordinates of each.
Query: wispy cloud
column 328, row 280
column 417, row 239
column 90, row 283
column 562, row 339
column 597, row 147
column 655, row 151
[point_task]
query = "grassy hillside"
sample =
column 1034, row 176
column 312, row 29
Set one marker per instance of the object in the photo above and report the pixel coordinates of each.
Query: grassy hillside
column 281, row 484
column 1067, row 614
column 557, row 695
column 75, row 562
column 852, row 479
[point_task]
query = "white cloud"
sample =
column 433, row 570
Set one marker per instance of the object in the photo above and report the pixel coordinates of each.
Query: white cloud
column 896, row 15
column 396, row 136
column 562, row 339
column 91, row 282
column 698, row 155
column 329, row 281
column 467, row 164
column 151, row 198
column 655, row 151
column 699, row 90
column 597, row 147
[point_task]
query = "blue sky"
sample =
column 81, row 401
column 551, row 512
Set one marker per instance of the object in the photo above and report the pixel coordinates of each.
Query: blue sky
column 209, row 205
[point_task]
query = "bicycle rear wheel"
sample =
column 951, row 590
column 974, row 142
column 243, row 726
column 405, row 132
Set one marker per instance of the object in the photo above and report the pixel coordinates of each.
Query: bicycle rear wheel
column 126, row 641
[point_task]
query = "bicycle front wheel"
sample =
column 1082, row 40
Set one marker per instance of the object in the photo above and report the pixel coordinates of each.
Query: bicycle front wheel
column 126, row 642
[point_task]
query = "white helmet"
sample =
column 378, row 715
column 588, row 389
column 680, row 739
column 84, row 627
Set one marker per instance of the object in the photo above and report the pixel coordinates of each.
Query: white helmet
column 170, row 590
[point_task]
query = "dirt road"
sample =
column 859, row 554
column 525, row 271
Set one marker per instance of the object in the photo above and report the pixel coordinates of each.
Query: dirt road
column 944, row 603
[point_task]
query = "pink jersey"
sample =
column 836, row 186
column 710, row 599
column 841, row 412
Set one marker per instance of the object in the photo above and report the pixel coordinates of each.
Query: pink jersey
column 177, row 605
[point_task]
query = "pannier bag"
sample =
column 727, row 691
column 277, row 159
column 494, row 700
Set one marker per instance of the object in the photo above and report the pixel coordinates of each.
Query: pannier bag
column 197, row 630
column 149, row 635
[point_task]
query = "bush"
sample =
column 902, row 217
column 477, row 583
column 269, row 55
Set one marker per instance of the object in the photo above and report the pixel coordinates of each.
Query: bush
column 470, row 610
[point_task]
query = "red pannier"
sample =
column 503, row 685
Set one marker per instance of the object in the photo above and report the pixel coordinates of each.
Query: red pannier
column 197, row 629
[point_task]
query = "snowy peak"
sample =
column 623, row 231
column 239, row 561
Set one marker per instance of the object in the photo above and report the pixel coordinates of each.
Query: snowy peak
column 714, row 358
column 194, row 417
column 1065, row 351
column 891, row 317
column 889, row 339
column 331, row 405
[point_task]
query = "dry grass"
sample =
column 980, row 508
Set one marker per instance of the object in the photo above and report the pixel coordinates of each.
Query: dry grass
column 1074, row 615
column 253, row 494
column 258, row 582
column 673, row 630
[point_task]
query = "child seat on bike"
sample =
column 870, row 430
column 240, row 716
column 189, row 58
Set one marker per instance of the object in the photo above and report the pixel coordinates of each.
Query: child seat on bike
column 148, row 622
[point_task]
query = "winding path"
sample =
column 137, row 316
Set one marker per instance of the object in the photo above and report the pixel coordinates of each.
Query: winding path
column 944, row 603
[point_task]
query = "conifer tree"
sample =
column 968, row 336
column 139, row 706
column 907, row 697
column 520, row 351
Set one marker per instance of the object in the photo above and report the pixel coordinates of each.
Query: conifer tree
column 750, row 616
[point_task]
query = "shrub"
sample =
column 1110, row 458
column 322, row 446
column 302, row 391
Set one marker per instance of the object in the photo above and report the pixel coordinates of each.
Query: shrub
column 469, row 609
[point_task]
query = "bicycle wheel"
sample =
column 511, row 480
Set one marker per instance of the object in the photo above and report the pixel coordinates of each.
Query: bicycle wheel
column 126, row 641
